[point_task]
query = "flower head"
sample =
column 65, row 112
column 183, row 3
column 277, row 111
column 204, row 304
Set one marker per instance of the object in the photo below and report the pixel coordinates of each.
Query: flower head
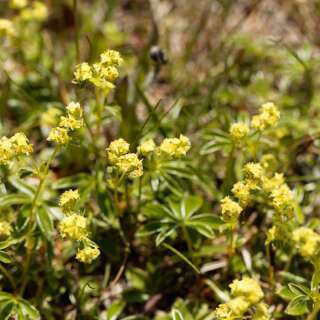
column 68, row 199
column 248, row 288
column 130, row 165
column 230, row 210
column 307, row 241
column 116, row 149
column 5, row 229
column 269, row 116
column 146, row 147
column 253, row 171
column 241, row 190
column 239, row 131
column 59, row 135
column 111, row 58
column 82, row 72
column 88, row 254
column 74, row 227
column 176, row 147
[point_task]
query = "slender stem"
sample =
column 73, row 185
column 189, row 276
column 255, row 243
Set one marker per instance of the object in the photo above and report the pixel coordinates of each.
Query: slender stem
column 8, row 275
column 38, row 192
column 270, row 267
column 188, row 239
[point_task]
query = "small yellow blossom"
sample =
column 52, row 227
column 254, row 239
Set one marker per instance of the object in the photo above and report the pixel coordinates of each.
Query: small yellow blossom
column 6, row 150
column 261, row 312
column 87, row 254
column 21, row 144
column 51, row 117
column 248, row 288
column 253, row 171
column 230, row 210
column 116, row 149
column 74, row 118
column 7, row 28
column 270, row 184
column 68, row 199
column 223, row 312
column 238, row 305
column 146, row 147
column 307, row 241
column 36, row 12
column 269, row 116
column 131, row 165
column 74, row 227
column 111, row 58
column 241, row 190
column 176, row 147
column 282, row 197
column 109, row 73
column 239, row 131
column 5, row 229
column 18, row 4
column 59, row 135
column 82, row 72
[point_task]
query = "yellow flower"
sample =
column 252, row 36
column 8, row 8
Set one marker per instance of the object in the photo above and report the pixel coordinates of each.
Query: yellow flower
column 253, row 171
column 102, row 83
column 5, row 229
column 269, row 116
column 230, row 210
column 223, row 312
column 307, row 241
column 109, row 73
column 239, row 131
column 146, row 147
column 270, row 184
column 176, row 147
column 131, row 165
column 241, row 190
column 59, row 135
column 7, row 28
column 74, row 227
column 87, row 254
column 37, row 12
column 282, row 197
column 116, row 149
column 111, row 58
column 21, row 144
column 6, row 150
column 238, row 305
column 68, row 199
column 248, row 288
column 261, row 312
column 51, row 117
column 83, row 72
column 74, row 119
column 18, row 4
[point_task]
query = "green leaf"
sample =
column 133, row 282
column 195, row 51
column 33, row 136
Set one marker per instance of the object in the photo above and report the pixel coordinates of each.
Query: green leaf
column 164, row 234
column 156, row 211
column 286, row 294
column 45, row 223
column 22, row 186
column 115, row 310
column 176, row 315
column 6, row 310
column 28, row 309
column 299, row 289
column 315, row 280
column 298, row 306
column 181, row 256
column 4, row 257
column 14, row 199
column 189, row 205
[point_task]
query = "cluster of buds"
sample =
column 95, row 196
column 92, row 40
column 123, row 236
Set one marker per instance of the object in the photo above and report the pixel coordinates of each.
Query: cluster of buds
column 307, row 241
column 102, row 74
column 246, row 299
column 268, row 117
column 11, row 148
column 126, row 163
column 75, row 227
column 72, row 121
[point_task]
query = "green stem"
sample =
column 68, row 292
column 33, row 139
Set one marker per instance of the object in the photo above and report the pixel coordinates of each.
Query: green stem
column 43, row 178
column 314, row 313
column 188, row 239
column 8, row 275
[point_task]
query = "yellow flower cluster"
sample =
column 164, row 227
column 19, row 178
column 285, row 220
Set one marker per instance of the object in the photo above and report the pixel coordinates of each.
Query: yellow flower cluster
column 146, row 147
column 246, row 293
column 73, row 120
column 88, row 254
column 230, row 210
column 239, row 131
column 75, row 227
column 307, row 241
column 269, row 116
column 5, row 229
column 126, row 163
column 175, row 147
column 37, row 11
column 7, row 28
column 13, row 147
column 68, row 200
column 18, row 4
column 102, row 74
